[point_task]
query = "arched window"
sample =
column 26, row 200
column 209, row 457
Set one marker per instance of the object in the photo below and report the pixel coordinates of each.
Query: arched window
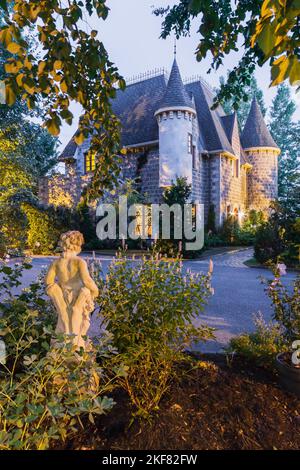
column 89, row 162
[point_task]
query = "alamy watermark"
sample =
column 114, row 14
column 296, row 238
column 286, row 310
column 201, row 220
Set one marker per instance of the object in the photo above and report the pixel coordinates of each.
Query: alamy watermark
column 153, row 221
column 296, row 354
column 2, row 92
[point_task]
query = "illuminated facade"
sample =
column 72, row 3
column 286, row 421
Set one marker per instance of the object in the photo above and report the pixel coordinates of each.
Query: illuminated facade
column 170, row 130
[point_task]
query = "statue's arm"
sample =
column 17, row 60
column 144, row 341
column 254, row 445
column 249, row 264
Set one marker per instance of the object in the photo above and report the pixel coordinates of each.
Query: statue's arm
column 50, row 276
column 87, row 280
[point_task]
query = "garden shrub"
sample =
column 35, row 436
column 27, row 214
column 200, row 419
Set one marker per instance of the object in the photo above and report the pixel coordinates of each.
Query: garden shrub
column 149, row 307
column 233, row 233
column 269, row 243
column 45, row 225
column 48, row 402
column 24, row 316
column 270, row 339
column 46, row 392
column 286, row 303
column 262, row 345
column 279, row 236
column 3, row 248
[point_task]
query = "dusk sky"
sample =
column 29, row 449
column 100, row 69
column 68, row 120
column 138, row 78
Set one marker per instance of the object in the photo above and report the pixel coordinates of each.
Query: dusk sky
column 131, row 36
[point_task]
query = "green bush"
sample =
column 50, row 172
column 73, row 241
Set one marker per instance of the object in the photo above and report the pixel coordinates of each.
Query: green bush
column 279, row 237
column 149, row 307
column 213, row 240
column 45, row 226
column 232, row 233
column 262, row 345
column 48, row 402
column 3, row 248
column 286, row 304
column 47, row 390
column 24, row 317
column 269, row 243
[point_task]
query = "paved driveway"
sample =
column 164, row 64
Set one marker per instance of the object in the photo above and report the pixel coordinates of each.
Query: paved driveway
column 238, row 294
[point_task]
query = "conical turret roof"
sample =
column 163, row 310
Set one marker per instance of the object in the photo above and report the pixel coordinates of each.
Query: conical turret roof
column 176, row 94
column 256, row 133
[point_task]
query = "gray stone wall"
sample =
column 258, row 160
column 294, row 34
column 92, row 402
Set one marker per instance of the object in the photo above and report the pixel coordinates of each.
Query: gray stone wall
column 263, row 178
column 231, row 187
column 215, row 185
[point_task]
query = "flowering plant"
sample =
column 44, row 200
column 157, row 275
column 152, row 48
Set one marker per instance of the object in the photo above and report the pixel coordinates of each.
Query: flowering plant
column 286, row 302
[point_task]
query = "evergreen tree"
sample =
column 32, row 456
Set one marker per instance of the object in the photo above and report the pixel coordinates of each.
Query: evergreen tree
column 286, row 134
column 249, row 92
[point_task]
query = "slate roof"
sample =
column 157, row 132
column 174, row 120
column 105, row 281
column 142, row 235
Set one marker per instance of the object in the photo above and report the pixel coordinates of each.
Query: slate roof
column 69, row 150
column 228, row 124
column 210, row 122
column 256, row 133
column 176, row 94
column 136, row 107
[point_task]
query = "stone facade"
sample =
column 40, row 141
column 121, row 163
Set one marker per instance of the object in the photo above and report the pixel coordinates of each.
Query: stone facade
column 263, row 182
column 169, row 130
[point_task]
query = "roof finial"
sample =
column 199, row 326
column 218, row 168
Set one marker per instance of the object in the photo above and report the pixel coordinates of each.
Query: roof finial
column 175, row 47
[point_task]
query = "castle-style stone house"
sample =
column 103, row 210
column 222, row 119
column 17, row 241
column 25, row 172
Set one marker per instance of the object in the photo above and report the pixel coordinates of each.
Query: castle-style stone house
column 170, row 131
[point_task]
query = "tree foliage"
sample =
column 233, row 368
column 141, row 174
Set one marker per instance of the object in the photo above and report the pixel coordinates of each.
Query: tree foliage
column 268, row 29
column 70, row 65
column 286, row 133
column 249, row 92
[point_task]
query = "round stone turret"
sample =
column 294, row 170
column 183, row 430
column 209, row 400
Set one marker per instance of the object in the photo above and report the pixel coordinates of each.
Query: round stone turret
column 177, row 143
column 262, row 153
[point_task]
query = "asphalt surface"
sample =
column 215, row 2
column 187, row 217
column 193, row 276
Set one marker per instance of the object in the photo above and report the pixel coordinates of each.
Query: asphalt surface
column 238, row 294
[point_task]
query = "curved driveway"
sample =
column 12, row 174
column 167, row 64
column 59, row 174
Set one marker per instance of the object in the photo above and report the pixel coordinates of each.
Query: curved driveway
column 238, row 294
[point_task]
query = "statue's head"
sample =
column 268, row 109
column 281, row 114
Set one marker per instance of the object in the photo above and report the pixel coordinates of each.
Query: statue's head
column 71, row 241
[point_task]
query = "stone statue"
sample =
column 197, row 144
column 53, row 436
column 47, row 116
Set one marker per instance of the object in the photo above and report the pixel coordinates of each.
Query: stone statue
column 71, row 289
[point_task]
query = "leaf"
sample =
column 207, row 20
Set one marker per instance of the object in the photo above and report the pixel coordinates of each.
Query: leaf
column 279, row 71
column 5, row 36
column 63, row 86
column 3, row 4
column 294, row 72
column 266, row 38
column 19, row 79
column 52, row 126
column 58, row 65
column 195, row 6
column 41, row 66
column 13, row 47
column 10, row 95
column 79, row 138
column 67, row 115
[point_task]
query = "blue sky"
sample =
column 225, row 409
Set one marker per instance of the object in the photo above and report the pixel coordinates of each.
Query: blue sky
column 131, row 36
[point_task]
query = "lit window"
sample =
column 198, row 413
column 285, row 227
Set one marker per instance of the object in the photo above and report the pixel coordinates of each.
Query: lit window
column 143, row 222
column 190, row 143
column 89, row 163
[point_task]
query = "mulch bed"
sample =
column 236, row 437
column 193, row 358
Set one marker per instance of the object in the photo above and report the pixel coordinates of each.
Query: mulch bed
column 219, row 406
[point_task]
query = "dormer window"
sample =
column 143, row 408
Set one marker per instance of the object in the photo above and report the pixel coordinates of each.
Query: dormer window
column 89, row 163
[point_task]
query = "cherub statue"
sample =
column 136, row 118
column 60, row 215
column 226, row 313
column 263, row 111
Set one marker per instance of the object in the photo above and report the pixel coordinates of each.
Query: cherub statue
column 71, row 289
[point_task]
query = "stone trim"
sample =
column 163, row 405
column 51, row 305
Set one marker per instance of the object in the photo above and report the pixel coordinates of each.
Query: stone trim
column 261, row 150
column 175, row 108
